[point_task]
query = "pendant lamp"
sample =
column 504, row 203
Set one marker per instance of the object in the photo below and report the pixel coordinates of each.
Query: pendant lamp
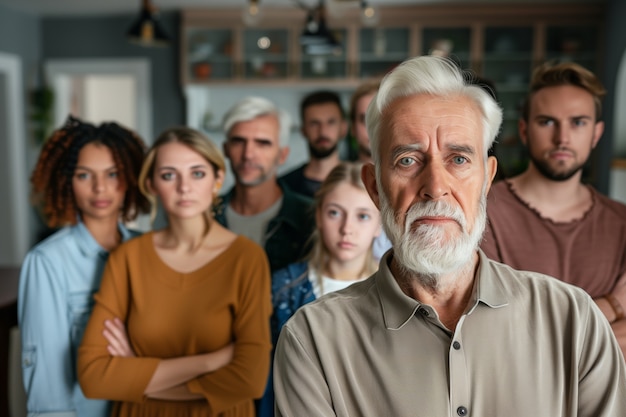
column 147, row 30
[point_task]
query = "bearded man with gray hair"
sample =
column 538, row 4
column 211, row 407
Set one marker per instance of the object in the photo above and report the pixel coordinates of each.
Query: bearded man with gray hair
column 440, row 329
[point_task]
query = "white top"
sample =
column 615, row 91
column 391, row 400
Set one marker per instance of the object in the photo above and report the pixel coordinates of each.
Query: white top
column 328, row 284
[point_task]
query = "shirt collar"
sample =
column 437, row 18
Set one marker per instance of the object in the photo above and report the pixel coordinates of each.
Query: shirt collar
column 88, row 245
column 290, row 210
column 398, row 308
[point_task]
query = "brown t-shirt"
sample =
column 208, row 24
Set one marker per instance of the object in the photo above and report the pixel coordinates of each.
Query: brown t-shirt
column 589, row 253
column 170, row 314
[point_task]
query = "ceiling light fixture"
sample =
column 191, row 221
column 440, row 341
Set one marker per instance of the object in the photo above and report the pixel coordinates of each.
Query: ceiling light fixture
column 316, row 39
column 252, row 14
column 146, row 30
column 370, row 15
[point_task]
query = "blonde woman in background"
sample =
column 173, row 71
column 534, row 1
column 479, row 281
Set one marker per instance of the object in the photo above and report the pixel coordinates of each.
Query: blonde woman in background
column 181, row 322
column 347, row 222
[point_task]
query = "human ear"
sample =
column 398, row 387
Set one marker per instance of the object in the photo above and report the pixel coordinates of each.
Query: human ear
column 219, row 180
column 283, row 154
column 598, row 129
column 368, row 175
column 522, row 128
column 492, row 168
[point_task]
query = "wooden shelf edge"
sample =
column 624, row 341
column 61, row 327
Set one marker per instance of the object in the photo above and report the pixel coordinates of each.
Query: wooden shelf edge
column 619, row 163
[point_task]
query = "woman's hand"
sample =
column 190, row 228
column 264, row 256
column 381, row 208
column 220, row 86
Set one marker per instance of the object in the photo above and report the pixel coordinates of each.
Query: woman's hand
column 115, row 334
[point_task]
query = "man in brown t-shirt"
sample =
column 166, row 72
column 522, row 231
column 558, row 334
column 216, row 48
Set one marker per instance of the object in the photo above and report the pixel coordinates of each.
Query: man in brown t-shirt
column 545, row 219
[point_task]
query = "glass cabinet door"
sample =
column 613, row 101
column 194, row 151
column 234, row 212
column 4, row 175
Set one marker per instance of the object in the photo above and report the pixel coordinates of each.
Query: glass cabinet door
column 452, row 42
column 209, row 54
column 573, row 43
column 266, row 53
column 381, row 49
column 326, row 64
column 507, row 63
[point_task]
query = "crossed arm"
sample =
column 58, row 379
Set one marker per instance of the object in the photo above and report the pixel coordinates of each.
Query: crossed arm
column 170, row 376
column 613, row 306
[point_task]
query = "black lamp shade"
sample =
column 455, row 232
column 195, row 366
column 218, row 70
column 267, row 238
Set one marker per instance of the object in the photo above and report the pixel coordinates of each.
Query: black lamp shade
column 316, row 39
column 147, row 30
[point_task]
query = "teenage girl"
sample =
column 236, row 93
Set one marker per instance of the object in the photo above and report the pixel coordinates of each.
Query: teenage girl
column 347, row 222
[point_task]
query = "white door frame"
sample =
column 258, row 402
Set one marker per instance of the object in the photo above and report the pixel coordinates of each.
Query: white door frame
column 17, row 200
column 58, row 70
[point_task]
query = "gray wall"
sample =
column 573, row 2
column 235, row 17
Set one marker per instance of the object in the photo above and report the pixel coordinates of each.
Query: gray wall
column 20, row 35
column 104, row 37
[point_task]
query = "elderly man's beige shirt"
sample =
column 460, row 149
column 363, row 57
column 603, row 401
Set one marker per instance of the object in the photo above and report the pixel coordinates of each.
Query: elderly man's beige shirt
column 529, row 345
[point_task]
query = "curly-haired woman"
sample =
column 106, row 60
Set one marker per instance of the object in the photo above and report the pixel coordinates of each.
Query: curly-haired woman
column 86, row 184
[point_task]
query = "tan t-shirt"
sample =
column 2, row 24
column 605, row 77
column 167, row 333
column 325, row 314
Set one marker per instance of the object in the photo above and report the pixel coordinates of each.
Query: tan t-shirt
column 529, row 345
column 589, row 253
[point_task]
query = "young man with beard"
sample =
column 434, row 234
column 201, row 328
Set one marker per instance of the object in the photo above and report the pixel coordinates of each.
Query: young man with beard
column 545, row 219
column 323, row 127
column 441, row 329
column 258, row 207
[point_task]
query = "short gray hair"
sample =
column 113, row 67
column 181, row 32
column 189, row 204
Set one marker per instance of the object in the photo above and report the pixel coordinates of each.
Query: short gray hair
column 250, row 108
column 436, row 76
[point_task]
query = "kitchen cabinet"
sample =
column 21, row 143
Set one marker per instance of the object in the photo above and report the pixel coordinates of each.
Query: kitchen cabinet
column 500, row 43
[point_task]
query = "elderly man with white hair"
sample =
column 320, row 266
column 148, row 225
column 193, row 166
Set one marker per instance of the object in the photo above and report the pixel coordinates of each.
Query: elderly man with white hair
column 440, row 329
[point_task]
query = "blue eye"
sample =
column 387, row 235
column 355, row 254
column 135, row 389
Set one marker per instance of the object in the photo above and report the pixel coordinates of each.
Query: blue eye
column 364, row 216
column 406, row 161
column 459, row 160
column 82, row 175
column 113, row 174
column 198, row 174
column 167, row 176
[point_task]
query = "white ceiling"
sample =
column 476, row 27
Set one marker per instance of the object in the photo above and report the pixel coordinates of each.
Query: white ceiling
column 100, row 7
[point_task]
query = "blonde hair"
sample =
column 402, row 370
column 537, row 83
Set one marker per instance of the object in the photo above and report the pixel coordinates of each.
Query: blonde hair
column 346, row 172
column 194, row 140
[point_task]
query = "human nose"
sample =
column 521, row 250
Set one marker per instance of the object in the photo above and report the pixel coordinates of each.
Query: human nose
column 183, row 184
column 98, row 183
column 326, row 130
column 561, row 135
column 248, row 151
column 347, row 226
column 434, row 185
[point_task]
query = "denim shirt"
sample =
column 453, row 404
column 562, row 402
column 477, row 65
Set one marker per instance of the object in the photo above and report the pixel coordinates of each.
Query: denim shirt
column 58, row 279
column 291, row 289
column 287, row 234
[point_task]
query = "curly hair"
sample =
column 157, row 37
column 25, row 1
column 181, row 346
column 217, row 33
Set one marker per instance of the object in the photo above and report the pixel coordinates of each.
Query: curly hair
column 52, row 177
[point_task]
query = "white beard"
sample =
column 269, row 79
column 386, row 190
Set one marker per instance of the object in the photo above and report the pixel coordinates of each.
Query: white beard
column 427, row 251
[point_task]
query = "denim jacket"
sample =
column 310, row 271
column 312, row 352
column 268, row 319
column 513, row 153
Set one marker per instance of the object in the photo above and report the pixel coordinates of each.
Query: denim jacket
column 291, row 289
column 58, row 279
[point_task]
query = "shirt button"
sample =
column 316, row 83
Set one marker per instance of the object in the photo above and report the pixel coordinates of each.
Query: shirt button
column 462, row 411
column 456, row 345
column 424, row 312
